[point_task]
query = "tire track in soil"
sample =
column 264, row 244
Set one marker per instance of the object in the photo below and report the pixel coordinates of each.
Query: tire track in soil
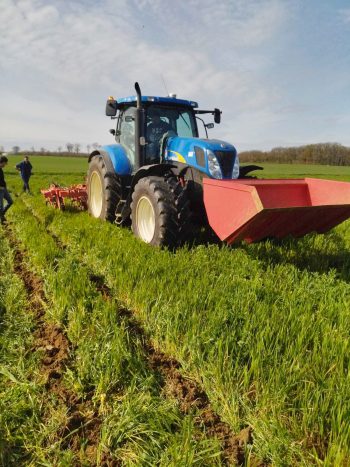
column 186, row 392
column 83, row 421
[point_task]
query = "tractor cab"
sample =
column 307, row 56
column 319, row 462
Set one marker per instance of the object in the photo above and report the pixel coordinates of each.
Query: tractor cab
column 146, row 123
column 141, row 131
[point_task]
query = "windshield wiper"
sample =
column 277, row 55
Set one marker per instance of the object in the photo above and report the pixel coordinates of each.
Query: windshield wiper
column 185, row 122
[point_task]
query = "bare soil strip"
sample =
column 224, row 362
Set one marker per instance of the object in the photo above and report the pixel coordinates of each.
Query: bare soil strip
column 83, row 421
column 189, row 396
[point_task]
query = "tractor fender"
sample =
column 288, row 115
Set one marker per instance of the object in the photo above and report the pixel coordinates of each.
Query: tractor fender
column 106, row 159
column 115, row 158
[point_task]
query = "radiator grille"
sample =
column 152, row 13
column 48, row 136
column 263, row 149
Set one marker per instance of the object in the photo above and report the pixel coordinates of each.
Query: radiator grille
column 226, row 160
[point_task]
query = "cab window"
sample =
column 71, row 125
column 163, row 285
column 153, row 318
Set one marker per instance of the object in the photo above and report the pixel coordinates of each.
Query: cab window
column 184, row 125
column 127, row 133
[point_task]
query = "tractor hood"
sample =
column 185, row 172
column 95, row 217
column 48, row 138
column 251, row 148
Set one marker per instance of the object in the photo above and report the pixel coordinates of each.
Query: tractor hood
column 203, row 154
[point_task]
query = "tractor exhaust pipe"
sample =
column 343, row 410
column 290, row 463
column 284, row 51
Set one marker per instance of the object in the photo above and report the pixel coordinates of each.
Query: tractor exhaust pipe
column 138, row 94
column 139, row 130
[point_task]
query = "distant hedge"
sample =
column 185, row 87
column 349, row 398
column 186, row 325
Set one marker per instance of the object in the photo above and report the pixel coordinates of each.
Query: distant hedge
column 49, row 153
column 324, row 153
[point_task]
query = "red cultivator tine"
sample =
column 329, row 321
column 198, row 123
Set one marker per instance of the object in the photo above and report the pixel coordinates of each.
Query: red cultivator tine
column 55, row 196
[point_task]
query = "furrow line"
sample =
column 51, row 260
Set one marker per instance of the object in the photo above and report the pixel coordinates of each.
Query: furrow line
column 50, row 340
column 187, row 393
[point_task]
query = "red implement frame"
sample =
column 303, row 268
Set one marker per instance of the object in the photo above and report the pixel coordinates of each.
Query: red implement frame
column 56, row 194
column 252, row 209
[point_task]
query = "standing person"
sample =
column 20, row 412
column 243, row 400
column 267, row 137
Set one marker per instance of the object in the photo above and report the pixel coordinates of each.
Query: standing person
column 25, row 167
column 4, row 194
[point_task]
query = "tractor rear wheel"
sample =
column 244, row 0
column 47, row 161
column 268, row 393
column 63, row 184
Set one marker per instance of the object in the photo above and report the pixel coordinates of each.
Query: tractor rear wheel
column 103, row 190
column 160, row 211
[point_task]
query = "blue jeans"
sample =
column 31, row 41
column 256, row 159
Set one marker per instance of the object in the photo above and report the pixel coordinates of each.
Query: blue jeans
column 4, row 194
column 26, row 184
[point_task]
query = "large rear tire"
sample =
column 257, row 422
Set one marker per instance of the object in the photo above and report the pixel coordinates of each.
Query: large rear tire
column 160, row 213
column 103, row 190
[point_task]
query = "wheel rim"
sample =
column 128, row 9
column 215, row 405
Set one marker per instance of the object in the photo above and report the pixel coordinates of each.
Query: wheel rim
column 96, row 194
column 145, row 219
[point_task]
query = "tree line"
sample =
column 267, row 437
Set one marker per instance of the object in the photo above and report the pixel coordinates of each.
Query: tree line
column 69, row 149
column 323, row 153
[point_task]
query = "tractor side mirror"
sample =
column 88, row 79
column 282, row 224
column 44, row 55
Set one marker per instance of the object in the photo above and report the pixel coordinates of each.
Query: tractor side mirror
column 112, row 131
column 111, row 107
column 217, row 115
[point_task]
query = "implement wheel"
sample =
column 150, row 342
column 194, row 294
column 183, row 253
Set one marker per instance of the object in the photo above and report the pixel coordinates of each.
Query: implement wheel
column 103, row 189
column 160, row 211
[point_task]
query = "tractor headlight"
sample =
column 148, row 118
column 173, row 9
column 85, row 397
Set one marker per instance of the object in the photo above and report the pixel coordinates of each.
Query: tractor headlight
column 235, row 170
column 214, row 166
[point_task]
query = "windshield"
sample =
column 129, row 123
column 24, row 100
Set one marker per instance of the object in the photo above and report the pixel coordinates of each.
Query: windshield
column 180, row 121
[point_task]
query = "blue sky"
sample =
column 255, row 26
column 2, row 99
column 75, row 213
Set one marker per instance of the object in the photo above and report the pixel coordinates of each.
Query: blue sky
column 278, row 69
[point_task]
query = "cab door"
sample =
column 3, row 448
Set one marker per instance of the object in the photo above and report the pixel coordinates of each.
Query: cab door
column 127, row 133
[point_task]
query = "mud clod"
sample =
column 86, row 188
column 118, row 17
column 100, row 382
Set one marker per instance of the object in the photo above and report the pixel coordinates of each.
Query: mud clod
column 101, row 286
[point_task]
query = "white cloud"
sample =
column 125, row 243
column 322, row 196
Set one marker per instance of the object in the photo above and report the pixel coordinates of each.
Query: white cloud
column 60, row 59
column 80, row 45
column 70, row 51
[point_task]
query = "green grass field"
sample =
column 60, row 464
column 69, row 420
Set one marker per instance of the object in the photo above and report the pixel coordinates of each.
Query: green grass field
column 262, row 329
column 304, row 170
column 78, row 165
column 50, row 165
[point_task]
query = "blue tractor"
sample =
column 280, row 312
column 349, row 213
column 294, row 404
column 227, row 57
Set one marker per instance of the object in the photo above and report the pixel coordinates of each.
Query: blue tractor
column 152, row 177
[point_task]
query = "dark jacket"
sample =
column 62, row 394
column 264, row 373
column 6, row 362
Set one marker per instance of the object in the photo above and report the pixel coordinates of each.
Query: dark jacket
column 2, row 179
column 25, row 168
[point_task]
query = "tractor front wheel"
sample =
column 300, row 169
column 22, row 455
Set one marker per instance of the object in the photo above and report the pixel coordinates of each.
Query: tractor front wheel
column 159, row 211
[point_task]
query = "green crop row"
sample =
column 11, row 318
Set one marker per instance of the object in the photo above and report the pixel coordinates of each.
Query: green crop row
column 107, row 369
column 264, row 328
column 21, row 397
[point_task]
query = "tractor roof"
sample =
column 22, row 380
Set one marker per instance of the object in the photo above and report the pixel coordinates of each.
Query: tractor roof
column 158, row 100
